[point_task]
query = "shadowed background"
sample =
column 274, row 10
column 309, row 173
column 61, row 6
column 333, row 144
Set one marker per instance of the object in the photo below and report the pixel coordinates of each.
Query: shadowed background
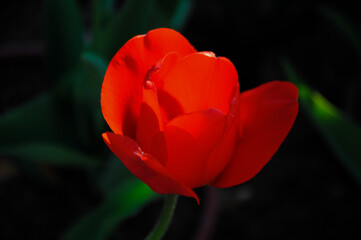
column 51, row 181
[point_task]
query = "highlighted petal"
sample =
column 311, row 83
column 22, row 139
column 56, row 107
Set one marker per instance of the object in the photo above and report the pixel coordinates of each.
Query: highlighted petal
column 146, row 167
column 267, row 114
column 122, row 86
column 165, row 40
column 190, row 139
column 200, row 81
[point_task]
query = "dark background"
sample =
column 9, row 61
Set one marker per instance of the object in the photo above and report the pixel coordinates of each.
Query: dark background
column 303, row 192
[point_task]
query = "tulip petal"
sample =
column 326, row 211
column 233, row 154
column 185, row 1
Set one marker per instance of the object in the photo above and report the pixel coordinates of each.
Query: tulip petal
column 190, row 139
column 200, row 81
column 122, row 86
column 150, row 120
column 145, row 166
column 267, row 114
column 223, row 152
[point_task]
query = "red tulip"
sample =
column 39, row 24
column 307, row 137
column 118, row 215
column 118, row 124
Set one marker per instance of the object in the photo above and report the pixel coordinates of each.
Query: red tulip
column 179, row 121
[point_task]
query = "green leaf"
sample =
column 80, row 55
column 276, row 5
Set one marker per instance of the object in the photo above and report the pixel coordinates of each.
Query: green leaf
column 94, row 70
column 344, row 26
column 102, row 11
column 113, row 174
column 79, row 90
column 132, row 19
column 41, row 119
column 175, row 12
column 343, row 134
column 50, row 153
column 125, row 201
column 72, row 92
column 97, row 63
column 64, row 36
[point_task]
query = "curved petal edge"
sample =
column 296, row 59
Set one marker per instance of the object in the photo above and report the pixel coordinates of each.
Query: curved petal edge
column 267, row 114
column 122, row 86
column 146, row 167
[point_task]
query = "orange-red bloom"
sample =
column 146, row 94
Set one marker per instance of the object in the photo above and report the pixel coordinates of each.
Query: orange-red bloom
column 179, row 120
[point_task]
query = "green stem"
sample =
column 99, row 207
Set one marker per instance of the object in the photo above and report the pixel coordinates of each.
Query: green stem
column 164, row 219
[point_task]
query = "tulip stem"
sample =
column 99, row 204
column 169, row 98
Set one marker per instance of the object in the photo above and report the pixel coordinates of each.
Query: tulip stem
column 164, row 219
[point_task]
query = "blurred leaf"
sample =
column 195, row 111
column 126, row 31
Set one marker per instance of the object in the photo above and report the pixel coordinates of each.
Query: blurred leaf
column 102, row 11
column 79, row 91
column 113, row 174
column 125, row 201
column 50, row 153
column 130, row 20
column 94, row 70
column 137, row 17
column 98, row 63
column 343, row 135
column 176, row 12
column 72, row 91
column 344, row 25
column 40, row 119
column 64, row 36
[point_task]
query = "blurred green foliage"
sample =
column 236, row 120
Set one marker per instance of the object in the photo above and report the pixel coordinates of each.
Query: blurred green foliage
column 123, row 202
column 63, row 126
column 342, row 133
column 344, row 26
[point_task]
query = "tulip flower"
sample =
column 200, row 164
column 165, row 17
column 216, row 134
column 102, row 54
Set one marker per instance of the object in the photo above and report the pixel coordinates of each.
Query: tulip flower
column 179, row 121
